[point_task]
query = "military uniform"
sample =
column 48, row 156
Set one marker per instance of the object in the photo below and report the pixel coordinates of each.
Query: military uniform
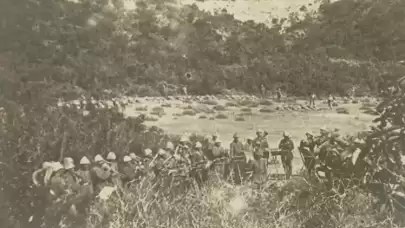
column 287, row 146
column 306, row 149
column 260, row 167
column 220, row 162
column 238, row 161
column 198, row 161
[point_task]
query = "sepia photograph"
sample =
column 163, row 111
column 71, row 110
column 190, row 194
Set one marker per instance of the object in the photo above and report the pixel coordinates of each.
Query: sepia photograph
column 202, row 113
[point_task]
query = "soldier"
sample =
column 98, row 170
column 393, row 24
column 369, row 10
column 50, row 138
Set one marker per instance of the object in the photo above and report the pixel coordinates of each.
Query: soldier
column 72, row 187
column 250, row 161
column 306, row 148
column 128, row 171
column 170, row 147
column 182, row 151
column 286, row 145
column 86, row 190
column 263, row 90
column 112, row 159
column 219, row 156
column 101, row 174
column 147, row 159
column 237, row 158
column 312, row 100
column 198, row 161
column 330, row 101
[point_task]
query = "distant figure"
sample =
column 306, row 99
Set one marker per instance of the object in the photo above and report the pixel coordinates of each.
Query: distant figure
column 312, row 100
column 165, row 90
column 279, row 94
column 330, row 101
column 263, row 90
column 185, row 90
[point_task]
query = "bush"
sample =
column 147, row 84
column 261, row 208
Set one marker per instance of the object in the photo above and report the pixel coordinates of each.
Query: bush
column 202, row 117
column 219, row 108
column 342, row 110
column 239, row 118
column 167, row 105
column 158, row 111
column 189, row 113
column 246, row 102
column 221, row 116
column 265, row 102
column 253, row 105
column 231, row 104
column 246, row 109
column 209, row 102
column 266, row 110
column 141, row 108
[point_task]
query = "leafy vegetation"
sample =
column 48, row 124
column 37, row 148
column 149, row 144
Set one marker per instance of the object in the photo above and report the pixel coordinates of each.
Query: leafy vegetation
column 59, row 49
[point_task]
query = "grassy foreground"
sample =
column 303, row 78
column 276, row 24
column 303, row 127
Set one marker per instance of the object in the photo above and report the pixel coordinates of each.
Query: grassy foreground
column 297, row 203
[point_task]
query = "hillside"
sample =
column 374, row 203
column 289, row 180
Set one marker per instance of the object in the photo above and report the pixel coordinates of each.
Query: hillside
column 52, row 51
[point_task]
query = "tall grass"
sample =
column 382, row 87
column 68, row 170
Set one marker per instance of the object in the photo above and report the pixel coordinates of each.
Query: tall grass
column 296, row 203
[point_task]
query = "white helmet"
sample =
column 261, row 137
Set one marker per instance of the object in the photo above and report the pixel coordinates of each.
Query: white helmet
column 46, row 165
column 111, row 156
column 56, row 166
column 198, row 145
column 286, row 134
column 215, row 134
column 68, row 163
column 148, row 152
column 133, row 156
column 127, row 158
column 98, row 158
column 184, row 138
column 169, row 146
column 84, row 161
column 218, row 141
column 161, row 152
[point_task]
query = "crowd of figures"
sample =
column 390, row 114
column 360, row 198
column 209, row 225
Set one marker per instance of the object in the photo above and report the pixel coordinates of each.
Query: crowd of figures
column 67, row 189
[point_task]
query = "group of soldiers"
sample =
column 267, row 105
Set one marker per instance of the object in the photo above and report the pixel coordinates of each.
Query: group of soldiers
column 197, row 162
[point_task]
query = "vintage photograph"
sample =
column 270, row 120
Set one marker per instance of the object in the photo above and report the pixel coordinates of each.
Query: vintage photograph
column 202, row 113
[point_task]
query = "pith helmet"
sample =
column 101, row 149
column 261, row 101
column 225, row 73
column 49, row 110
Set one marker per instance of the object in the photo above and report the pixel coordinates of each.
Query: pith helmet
column 169, row 146
column 198, row 145
column 98, row 158
column 127, row 158
column 184, row 138
column 148, row 152
column 84, row 161
column 68, row 163
column 111, row 156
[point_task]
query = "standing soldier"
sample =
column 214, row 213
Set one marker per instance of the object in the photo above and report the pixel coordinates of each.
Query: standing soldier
column 260, row 145
column 279, row 94
column 237, row 159
column 312, row 100
column 286, row 145
column 330, row 101
column 250, row 161
column 307, row 149
column 219, row 156
column 263, row 90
